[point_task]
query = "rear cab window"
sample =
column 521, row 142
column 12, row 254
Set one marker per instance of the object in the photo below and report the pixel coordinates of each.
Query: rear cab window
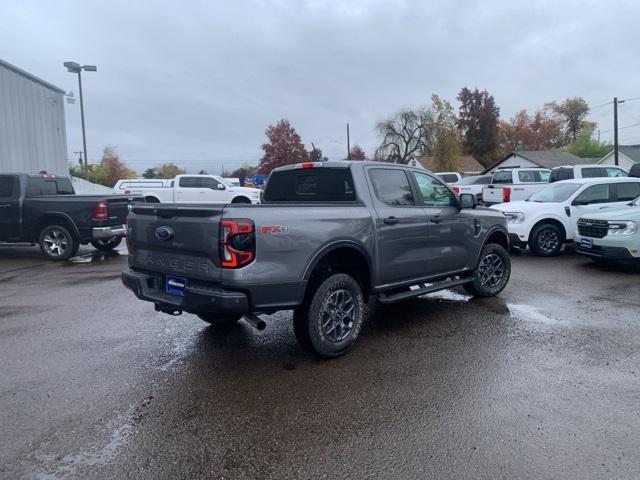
column 503, row 177
column 560, row 174
column 37, row 186
column 320, row 184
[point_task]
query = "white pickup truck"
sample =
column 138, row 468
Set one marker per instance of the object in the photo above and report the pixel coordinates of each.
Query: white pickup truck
column 188, row 189
column 509, row 185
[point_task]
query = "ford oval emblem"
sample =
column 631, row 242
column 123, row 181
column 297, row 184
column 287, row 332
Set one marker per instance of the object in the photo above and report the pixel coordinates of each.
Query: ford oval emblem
column 164, row 233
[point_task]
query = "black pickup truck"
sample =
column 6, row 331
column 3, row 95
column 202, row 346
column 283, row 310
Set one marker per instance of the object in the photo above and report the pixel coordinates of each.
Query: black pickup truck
column 44, row 209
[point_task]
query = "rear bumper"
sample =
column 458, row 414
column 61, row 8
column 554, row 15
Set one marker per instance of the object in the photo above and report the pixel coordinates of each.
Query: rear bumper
column 196, row 299
column 108, row 232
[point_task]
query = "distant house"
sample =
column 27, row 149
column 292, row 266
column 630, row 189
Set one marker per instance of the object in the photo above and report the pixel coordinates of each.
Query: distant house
column 467, row 164
column 627, row 156
column 539, row 158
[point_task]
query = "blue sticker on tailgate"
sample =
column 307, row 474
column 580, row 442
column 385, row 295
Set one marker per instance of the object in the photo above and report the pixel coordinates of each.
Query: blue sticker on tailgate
column 176, row 285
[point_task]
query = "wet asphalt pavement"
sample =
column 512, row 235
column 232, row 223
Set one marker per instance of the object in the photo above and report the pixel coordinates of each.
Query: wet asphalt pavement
column 541, row 382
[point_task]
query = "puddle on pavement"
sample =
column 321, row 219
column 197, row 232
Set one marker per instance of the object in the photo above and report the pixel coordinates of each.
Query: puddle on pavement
column 96, row 257
column 530, row 314
column 448, row 295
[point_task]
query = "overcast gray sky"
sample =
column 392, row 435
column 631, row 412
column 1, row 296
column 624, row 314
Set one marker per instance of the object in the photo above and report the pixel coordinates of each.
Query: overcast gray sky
column 198, row 82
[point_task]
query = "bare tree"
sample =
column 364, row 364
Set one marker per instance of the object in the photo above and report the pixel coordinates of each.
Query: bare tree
column 405, row 135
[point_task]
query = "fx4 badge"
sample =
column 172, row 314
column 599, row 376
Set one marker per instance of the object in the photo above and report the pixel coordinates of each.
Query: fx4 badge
column 274, row 229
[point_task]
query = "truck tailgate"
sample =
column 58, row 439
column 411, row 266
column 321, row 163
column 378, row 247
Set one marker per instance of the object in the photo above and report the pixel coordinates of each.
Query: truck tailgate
column 492, row 194
column 174, row 239
column 119, row 206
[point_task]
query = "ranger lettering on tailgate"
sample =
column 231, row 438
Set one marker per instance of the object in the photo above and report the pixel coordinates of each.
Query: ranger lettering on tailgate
column 175, row 262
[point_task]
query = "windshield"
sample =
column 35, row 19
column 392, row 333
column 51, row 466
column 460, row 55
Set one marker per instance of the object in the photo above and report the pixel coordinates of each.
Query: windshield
column 224, row 181
column 556, row 192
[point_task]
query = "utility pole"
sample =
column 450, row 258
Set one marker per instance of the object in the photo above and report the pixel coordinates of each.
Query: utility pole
column 80, row 160
column 84, row 136
column 74, row 67
column 615, row 129
column 348, row 146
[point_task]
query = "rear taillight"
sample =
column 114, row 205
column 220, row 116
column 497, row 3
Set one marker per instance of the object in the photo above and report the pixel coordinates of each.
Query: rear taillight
column 237, row 242
column 100, row 211
column 456, row 189
column 506, row 194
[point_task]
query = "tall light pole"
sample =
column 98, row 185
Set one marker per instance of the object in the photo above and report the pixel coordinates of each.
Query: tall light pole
column 74, row 67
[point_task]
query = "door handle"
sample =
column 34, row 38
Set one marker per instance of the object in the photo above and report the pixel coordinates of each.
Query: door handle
column 436, row 219
column 390, row 220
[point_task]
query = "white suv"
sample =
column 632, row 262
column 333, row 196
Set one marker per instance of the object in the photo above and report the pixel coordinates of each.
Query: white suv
column 571, row 172
column 547, row 219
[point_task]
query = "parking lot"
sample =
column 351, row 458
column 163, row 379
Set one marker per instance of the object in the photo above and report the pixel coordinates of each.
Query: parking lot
column 540, row 382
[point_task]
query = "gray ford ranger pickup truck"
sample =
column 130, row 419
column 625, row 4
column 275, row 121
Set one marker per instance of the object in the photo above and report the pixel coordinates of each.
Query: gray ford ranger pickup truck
column 327, row 237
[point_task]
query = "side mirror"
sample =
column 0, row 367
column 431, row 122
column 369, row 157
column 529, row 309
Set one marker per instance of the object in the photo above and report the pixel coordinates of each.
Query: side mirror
column 468, row 200
column 576, row 203
column 220, row 186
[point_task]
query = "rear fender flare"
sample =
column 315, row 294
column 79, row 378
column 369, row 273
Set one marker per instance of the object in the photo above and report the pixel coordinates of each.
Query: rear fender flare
column 323, row 251
column 50, row 218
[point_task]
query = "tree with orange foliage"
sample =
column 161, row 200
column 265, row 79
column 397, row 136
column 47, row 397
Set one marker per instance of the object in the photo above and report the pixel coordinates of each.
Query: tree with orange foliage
column 283, row 148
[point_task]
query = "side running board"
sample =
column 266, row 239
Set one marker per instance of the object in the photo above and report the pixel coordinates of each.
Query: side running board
column 423, row 288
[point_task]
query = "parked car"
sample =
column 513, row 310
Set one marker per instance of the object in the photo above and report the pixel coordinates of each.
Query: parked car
column 513, row 184
column 569, row 172
column 611, row 234
column 548, row 218
column 449, row 177
column 233, row 181
column 634, row 171
column 44, row 209
column 328, row 236
column 188, row 189
column 472, row 185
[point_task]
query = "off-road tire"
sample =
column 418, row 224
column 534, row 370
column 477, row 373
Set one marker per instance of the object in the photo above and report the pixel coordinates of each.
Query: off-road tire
column 330, row 321
column 546, row 240
column 494, row 264
column 58, row 243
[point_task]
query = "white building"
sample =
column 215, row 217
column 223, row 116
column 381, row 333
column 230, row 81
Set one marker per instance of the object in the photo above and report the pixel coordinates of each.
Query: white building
column 539, row 158
column 32, row 126
column 627, row 156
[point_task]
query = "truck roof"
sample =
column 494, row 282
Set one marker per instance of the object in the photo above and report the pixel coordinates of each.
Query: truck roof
column 342, row 164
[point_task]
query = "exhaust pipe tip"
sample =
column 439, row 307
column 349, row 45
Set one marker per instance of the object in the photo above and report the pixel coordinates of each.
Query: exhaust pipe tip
column 255, row 321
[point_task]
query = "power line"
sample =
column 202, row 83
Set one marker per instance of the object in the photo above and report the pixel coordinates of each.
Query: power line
column 621, row 128
column 601, row 105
